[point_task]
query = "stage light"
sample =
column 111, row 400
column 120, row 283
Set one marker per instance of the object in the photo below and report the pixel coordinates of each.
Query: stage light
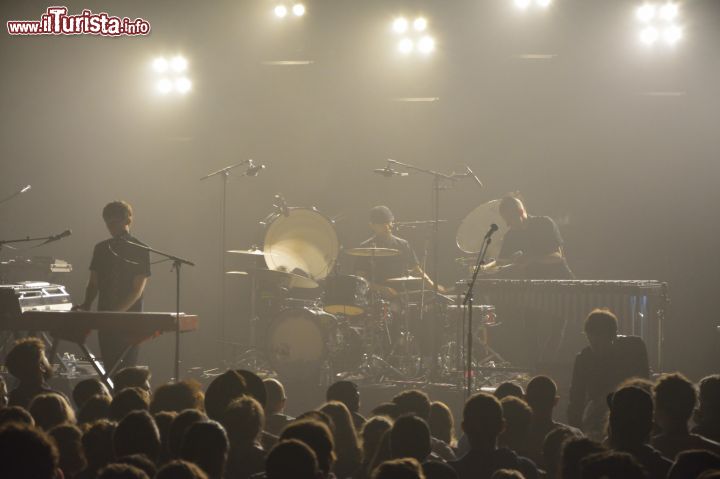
column 405, row 46
column 183, row 85
column 298, row 9
column 426, row 44
column 645, row 13
column 649, row 36
column 522, row 4
column 164, row 86
column 672, row 35
column 160, row 65
column 669, row 12
column 420, row 24
column 543, row 3
column 178, row 63
column 281, row 11
column 400, row 25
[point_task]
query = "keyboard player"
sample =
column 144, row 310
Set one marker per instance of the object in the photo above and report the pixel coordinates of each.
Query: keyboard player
column 119, row 273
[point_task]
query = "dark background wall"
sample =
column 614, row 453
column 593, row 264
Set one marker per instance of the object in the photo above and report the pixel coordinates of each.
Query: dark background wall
column 585, row 137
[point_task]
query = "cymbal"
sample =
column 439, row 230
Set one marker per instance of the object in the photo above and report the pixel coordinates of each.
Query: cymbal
column 372, row 252
column 471, row 233
column 403, row 279
column 251, row 252
column 280, row 278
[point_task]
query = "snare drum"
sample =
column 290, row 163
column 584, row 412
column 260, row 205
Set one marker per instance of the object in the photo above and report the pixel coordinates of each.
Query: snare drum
column 346, row 294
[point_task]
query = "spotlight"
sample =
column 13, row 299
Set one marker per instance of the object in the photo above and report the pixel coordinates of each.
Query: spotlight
column 669, row 12
column 160, row 65
column 522, row 4
column 400, row 25
column 543, row 3
column 405, row 46
column 183, row 85
column 178, row 64
column 281, row 11
column 164, row 86
column 298, row 9
column 420, row 24
column 672, row 35
column 426, row 44
column 645, row 13
column 649, row 36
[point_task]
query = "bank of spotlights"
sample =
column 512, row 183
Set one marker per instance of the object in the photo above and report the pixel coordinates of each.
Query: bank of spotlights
column 171, row 75
column 282, row 10
column 524, row 5
column 413, row 36
column 659, row 24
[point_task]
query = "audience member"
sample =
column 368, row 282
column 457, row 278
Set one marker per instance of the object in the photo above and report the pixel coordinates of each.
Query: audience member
column 405, row 468
column 348, row 393
column 507, row 474
column 222, row 391
column 275, row 417
column 574, row 450
column 612, row 465
column 347, row 448
column 438, row 470
column 179, row 427
column 599, row 368
column 140, row 461
column 16, row 414
column 97, row 444
column 243, row 419
column 441, row 423
column 541, row 395
column 163, row 421
column 509, row 388
column 629, row 426
column 691, row 464
column 372, row 434
column 137, row 434
column 418, row 403
column 318, row 437
column 27, row 363
column 206, row 444
column 255, row 386
column 410, row 437
column 51, row 409
column 132, row 377
column 95, row 408
column 518, row 416
column 68, row 439
column 482, row 424
column 129, row 400
column 27, row 452
column 707, row 416
column 86, row 389
column 291, row 459
column 389, row 409
column 121, row 471
column 178, row 469
column 177, row 397
column 675, row 399
column 553, row 448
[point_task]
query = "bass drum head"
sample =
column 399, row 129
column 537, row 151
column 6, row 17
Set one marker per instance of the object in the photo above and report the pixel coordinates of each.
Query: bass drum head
column 474, row 227
column 305, row 240
column 296, row 342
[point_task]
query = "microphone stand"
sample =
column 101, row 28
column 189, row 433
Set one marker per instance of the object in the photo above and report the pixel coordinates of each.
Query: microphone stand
column 177, row 263
column 468, row 304
column 224, row 173
column 27, row 239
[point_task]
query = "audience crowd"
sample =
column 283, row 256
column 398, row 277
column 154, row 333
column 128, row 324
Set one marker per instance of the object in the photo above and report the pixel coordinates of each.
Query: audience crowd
column 238, row 429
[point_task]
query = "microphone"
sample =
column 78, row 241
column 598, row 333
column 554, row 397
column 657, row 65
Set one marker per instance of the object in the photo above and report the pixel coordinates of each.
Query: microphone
column 493, row 229
column 24, row 189
column 253, row 169
column 470, row 173
column 388, row 172
column 58, row 237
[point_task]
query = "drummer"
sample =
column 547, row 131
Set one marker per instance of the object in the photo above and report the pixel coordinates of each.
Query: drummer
column 380, row 268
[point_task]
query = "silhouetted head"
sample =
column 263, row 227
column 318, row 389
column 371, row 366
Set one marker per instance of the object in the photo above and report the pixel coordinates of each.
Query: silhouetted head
column 601, row 327
column 118, row 216
column 541, row 395
column 51, row 409
column 121, row 471
column 141, row 461
column 16, row 414
column 406, row 468
column 709, row 400
column 631, row 418
column 509, row 388
column 132, row 377
column 389, row 409
column 222, row 391
column 574, row 451
column 179, row 469
column 518, row 416
column 95, row 408
column 127, row 401
column 276, row 398
column 255, row 386
column 137, row 434
column 675, row 399
column 27, row 361
column 611, row 464
column 163, row 421
column 318, row 437
column 552, row 449
column 372, row 433
column 381, row 221
column 68, row 439
column 507, row 474
column 206, row 444
column 482, row 419
column 347, row 392
column 410, row 437
column 441, row 423
column 179, row 427
column 86, row 389
column 26, row 451
column 291, row 459
column 97, row 443
column 177, row 397
column 690, row 464
column 244, row 420
column 413, row 402
column 512, row 211
column 344, row 433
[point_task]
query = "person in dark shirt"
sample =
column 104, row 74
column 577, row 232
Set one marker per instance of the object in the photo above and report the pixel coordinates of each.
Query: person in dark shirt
column 599, row 368
column 707, row 415
column 119, row 273
column 27, row 362
column 532, row 245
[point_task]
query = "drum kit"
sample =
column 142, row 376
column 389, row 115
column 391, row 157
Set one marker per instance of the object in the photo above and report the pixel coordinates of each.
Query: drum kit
column 310, row 323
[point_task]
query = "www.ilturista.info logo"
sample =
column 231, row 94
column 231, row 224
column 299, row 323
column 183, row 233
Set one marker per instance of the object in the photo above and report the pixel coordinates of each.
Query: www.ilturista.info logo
column 56, row 21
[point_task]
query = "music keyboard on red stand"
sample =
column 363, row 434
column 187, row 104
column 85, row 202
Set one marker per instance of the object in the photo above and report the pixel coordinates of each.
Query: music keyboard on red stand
column 125, row 322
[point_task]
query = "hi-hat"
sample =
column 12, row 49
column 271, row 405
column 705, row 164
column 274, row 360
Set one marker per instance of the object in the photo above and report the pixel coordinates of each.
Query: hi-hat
column 372, row 252
column 403, row 279
column 279, row 278
column 251, row 252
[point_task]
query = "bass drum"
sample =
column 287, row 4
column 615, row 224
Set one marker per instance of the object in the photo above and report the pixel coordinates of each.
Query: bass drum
column 302, row 242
